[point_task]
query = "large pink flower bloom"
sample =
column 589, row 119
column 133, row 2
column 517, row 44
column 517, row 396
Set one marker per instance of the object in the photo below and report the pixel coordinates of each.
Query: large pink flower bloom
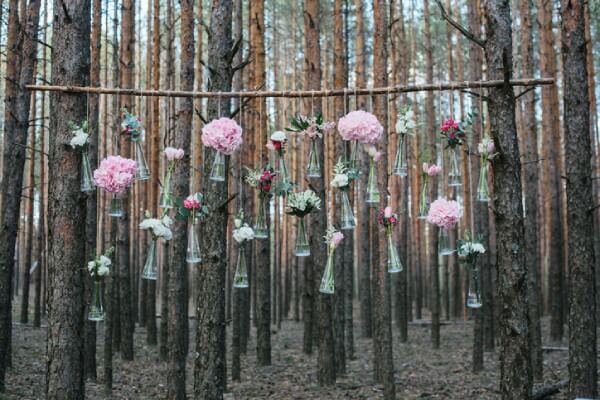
column 115, row 174
column 431, row 169
column 360, row 125
column 223, row 135
column 444, row 213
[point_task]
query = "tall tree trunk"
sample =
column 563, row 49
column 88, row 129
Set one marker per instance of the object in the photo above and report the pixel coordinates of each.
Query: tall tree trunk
column 127, row 70
column 67, row 206
column 515, row 366
column 26, row 282
column 210, row 377
column 583, row 376
column 178, row 279
column 529, row 144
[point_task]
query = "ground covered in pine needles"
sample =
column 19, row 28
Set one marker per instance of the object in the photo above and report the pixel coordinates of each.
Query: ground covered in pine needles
column 421, row 372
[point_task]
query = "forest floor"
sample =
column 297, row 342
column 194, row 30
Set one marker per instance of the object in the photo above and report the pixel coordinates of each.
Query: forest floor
column 421, row 372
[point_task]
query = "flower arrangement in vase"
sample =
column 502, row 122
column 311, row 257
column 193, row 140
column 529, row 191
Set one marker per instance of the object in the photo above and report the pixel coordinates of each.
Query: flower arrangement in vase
column 300, row 204
column 159, row 228
column 445, row 214
column 131, row 127
column 454, row 136
column 333, row 238
column 80, row 140
column 359, row 127
column 428, row 171
column 115, row 174
column 468, row 251
column 486, row 152
column 98, row 268
column 224, row 135
column 405, row 124
column 342, row 178
column 373, row 196
column 388, row 219
column 192, row 209
column 278, row 143
column 263, row 181
column 167, row 199
column 312, row 128
column 241, row 234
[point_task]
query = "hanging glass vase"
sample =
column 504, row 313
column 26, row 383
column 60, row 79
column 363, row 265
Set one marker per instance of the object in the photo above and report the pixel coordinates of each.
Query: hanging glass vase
column 424, row 200
column 87, row 181
column 261, row 231
column 483, row 189
column 353, row 167
column 192, row 255
column 115, row 208
column 302, row 248
column 284, row 178
column 373, row 196
column 347, row 220
column 150, row 270
column 240, row 279
column 393, row 261
column 313, row 170
column 166, row 200
column 400, row 166
column 474, row 290
column 445, row 244
column 454, row 176
column 327, row 281
column 96, row 308
column 217, row 173
column 141, row 166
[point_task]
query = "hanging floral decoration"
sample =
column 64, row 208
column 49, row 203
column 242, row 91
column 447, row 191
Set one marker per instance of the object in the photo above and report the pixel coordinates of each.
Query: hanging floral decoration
column 427, row 171
column 241, row 234
column 131, row 126
column 342, row 178
column 223, row 134
column 486, row 149
column 159, row 228
column 452, row 133
column 373, row 195
column 361, row 126
column 445, row 214
column 486, row 152
column 278, row 143
column 388, row 219
column 263, row 181
column 115, row 174
column 333, row 238
column 80, row 140
column 468, row 251
column 167, row 199
column 192, row 208
column 405, row 124
column 80, row 137
column 430, row 170
column 98, row 268
column 300, row 204
column 310, row 127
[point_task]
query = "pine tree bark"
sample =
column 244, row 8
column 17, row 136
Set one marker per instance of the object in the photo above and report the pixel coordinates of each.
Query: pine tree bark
column 210, row 364
column 583, row 374
column 178, row 278
column 66, row 206
column 26, row 281
column 515, row 366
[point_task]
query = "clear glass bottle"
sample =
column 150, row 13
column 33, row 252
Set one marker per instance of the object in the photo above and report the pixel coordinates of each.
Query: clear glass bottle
column 483, row 189
column 142, row 172
column 474, row 291
column 454, row 175
column 373, row 196
column 445, row 245
column 302, row 248
column 354, row 147
column 327, row 281
column 87, row 180
column 261, row 230
column 393, row 261
column 96, row 312
column 313, row 170
column 424, row 199
column 150, row 270
column 240, row 279
column 347, row 220
column 166, row 199
column 193, row 246
column 115, row 208
column 400, row 165
column 217, row 172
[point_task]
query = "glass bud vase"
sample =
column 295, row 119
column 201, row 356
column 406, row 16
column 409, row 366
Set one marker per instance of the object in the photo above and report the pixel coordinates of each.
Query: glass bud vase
column 454, row 175
column 373, row 196
column 150, row 270
column 347, row 220
column 166, row 199
column 483, row 189
column 400, row 166
column 217, row 172
column 284, row 177
column 474, row 290
column 96, row 312
column 192, row 255
column 445, row 244
column 115, row 208
column 87, row 181
column 353, row 156
column 424, row 200
column 240, row 279
column 313, row 170
column 261, row 231
column 393, row 261
column 142, row 172
column 327, row 281
column 302, row 248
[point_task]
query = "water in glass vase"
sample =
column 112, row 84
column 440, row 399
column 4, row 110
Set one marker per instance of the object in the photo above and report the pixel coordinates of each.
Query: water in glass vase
column 261, row 231
column 115, row 208
column 193, row 247
column 483, row 189
column 347, row 220
column 142, row 172
column 454, row 176
column 400, row 166
column 96, row 312
column 150, row 271
column 302, row 248
column 393, row 262
column 373, row 196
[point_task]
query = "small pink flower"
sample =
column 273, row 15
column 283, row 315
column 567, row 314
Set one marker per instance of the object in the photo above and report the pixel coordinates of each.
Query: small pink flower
column 337, row 238
column 270, row 145
column 377, row 156
column 173, row 154
column 191, row 203
column 387, row 212
column 393, row 220
column 491, row 147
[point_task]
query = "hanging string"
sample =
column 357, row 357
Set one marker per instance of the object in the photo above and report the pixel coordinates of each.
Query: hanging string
column 345, row 101
column 219, row 105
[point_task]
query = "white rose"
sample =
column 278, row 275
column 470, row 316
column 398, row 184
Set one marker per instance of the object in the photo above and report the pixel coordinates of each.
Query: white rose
column 103, row 270
column 478, row 248
column 340, row 180
column 80, row 139
column 278, row 136
column 105, row 261
column 91, row 266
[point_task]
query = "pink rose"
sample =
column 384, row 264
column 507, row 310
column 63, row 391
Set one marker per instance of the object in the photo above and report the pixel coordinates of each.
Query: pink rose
column 377, row 156
column 387, row 212
column 173, row 154
column 336, row 239
column 191, row 203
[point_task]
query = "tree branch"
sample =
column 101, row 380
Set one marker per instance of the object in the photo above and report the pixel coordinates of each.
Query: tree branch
column 468, row 34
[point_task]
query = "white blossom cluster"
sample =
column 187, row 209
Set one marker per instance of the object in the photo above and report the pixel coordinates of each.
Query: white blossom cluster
column 243, row 233
column 469, row 248
column 340, row 180
column 406, row 122
column 99, row 266
column 303, row 202
column 80, row 138
column 160, row 227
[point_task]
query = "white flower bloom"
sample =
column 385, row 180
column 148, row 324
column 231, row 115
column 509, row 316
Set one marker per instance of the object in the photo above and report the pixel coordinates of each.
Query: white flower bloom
column 340, row 180
column 103, row 270
column 91, row 265
column 105, row 261
column 237, row 222
column 278, row 136
column 167, row 221
column 160, row 228
column 478, row 248
column 243, row 233
column 80, row 139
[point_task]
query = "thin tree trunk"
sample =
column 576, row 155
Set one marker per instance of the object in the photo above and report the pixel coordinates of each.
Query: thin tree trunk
column 515, row 366
column 583, row 376
column 26, row 282
column 67, row 206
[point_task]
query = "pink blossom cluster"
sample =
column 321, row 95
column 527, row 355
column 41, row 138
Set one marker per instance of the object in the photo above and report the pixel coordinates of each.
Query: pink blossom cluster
column 173, row 154
column 444, row 213
column 336, row 239
column 223, row 135
column 386, row 217
column 115, row 174
column 192, row 203
column 449, row 124
column 431, row 169
column 360, row 125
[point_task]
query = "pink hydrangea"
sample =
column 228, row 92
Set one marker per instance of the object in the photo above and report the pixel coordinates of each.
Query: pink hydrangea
column 115, row 174
column 173, row 154
column 444, row 213
column 360, row 125
column 431, row 169
column 336, row 239
column 223, row 135
column 191, row 203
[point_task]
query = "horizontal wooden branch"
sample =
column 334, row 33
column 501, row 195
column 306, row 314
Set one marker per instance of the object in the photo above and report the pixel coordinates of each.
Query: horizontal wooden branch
column 427, row 87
